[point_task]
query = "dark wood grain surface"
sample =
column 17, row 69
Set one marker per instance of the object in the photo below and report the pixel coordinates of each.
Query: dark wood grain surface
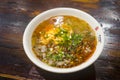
column 16, row 14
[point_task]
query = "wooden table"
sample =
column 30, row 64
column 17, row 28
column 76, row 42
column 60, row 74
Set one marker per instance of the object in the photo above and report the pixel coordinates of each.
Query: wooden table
column 16, row 14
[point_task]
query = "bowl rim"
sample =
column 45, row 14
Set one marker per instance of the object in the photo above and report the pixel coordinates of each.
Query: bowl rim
column 54, row 69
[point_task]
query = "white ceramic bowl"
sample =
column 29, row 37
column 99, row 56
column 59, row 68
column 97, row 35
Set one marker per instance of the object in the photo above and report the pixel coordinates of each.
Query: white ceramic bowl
column 62, row 11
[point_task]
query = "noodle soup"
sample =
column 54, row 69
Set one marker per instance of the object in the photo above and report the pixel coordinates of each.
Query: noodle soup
column 63, row 41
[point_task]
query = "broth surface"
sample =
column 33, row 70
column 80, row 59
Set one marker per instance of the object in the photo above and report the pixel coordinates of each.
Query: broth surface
column 63, row 41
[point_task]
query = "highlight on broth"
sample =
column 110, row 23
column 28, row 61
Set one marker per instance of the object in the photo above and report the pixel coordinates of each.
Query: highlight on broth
column 63, row 41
